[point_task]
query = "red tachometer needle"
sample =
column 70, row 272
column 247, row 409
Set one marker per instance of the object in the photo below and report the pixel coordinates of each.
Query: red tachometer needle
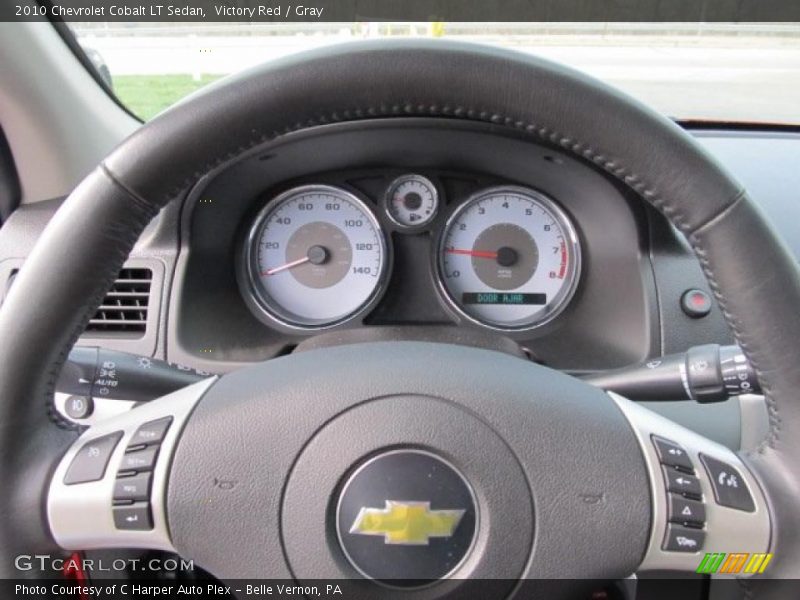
column 476, row 253
column 288, row 265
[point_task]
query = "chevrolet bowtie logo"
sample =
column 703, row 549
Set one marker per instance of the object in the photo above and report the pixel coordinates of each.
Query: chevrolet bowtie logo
column 409, row 523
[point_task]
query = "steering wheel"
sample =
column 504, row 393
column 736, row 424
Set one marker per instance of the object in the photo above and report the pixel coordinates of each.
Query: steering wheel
column 408, row 465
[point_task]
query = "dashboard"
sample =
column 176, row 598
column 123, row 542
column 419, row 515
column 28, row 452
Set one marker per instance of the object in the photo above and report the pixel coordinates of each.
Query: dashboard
column 462, row 228
column 407, row 221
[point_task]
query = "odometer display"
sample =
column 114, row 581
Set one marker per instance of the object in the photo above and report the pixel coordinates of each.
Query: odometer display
column 509, row 258
column 316, row 257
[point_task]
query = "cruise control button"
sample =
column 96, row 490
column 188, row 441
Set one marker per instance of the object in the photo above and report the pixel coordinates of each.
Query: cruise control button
column 133, row 488
column 92, row 459
column 683, row 539
column 671, row 454
column 681, row 483
column 729, row 487
column 134, row 516
column 684, row 510
column 139, row 460
column 152, row 432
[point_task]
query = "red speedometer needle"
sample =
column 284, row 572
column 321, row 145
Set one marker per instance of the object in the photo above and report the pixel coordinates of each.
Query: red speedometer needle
column 476, row 253
column 289, row 265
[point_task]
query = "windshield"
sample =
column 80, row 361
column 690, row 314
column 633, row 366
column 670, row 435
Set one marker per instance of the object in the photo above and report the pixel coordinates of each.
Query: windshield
column 689, row 71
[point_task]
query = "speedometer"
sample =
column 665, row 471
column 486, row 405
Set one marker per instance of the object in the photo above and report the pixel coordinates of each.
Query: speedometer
column 509, row 259
column 315, row 258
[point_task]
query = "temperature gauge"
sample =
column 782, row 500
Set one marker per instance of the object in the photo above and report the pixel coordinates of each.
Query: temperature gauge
column 412, row 201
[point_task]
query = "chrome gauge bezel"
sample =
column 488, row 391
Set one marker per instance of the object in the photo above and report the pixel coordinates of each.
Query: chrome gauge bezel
column 387, row 197
column 573, row 275
column 248, row 271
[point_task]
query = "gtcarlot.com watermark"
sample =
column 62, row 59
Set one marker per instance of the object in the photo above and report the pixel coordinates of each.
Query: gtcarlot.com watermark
column 45, row 563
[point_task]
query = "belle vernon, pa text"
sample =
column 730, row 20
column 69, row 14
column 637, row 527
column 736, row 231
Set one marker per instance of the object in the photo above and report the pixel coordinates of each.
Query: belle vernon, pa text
column 150, row 590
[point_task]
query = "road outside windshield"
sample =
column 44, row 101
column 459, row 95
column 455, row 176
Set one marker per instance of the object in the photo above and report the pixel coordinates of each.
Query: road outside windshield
column 714, row 71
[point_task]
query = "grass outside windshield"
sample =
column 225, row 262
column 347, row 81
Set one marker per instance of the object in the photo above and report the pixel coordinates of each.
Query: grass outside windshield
column 693, row 71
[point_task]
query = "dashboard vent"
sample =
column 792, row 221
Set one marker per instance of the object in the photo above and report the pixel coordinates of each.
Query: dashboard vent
column 124, row 308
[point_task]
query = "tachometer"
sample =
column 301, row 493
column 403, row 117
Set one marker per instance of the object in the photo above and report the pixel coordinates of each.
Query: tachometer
column 316, row 257
column 509, row 258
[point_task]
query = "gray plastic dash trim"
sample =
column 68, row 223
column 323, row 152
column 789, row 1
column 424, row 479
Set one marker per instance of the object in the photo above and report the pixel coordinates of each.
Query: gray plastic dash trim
column 81, row 516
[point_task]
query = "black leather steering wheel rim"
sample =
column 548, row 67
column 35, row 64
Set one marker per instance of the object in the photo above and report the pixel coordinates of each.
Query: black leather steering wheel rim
column 751, row 273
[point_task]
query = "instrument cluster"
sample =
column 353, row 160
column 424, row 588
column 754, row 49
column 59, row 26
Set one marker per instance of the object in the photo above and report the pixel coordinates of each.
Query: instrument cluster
column 316, row 256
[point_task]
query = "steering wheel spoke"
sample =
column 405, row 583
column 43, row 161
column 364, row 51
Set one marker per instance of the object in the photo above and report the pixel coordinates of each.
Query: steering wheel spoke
column 706, row 505
column 109, row 490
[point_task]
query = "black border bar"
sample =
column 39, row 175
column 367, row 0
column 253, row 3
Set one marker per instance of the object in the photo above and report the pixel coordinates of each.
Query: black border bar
column 597, row 11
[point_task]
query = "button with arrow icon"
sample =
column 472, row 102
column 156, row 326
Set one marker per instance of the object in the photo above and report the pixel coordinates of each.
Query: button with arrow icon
column 681, row 483
column 133, row 516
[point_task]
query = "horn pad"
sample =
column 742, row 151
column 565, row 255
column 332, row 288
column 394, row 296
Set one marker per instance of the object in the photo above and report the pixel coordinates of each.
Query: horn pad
column 406, row 518
column 556, row 473
column 408, row 505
